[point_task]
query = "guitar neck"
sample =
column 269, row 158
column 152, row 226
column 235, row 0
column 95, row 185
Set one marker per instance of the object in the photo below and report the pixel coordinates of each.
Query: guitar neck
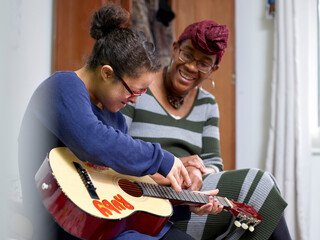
column 185, row 196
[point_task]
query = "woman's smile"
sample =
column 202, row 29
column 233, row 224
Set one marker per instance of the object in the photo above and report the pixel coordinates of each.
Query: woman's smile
column 186, row 77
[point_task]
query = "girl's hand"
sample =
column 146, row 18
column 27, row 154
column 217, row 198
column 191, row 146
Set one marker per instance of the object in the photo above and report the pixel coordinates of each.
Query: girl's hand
column 211, row 207
column 178, row 175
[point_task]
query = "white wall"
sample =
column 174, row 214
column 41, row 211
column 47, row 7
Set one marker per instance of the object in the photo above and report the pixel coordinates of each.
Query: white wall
column 254, row 44
column 25, row 60
column 254, row 49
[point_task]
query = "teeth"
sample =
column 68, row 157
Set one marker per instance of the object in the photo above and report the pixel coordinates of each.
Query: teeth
column 185, row 76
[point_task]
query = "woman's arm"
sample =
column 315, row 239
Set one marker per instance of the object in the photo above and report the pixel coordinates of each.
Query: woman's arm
column 210, row 153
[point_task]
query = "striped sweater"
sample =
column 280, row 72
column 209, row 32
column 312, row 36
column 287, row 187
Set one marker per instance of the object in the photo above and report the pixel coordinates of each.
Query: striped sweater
column 198, row 133
column 195, row 134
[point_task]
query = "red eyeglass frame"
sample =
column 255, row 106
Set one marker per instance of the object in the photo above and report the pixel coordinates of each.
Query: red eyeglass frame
column 129, row 89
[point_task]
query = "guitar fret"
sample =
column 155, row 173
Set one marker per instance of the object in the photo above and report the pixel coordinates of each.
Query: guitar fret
column 145, row 191
column 184, row 195
column 162, row 192
column 198, row 197
column 220, row 201
column 168, row 191
column 224, row 202
column 156, row 190
column 148, row 189
column 195, row 197
column 192, row 197
column 153, row 194
column 204, row 197
column 176, row 195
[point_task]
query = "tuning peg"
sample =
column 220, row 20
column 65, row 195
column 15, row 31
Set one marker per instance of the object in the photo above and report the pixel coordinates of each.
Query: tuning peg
column 251, row 228
column 237, row 223
column 244, row 226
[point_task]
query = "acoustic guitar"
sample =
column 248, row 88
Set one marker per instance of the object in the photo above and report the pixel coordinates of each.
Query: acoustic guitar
column 99, row 203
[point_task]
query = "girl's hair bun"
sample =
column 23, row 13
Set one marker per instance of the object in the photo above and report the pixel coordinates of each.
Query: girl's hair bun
column 125, row 50
column 107, row 19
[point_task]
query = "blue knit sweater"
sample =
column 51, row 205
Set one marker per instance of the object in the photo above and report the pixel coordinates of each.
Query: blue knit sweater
column 60, row 113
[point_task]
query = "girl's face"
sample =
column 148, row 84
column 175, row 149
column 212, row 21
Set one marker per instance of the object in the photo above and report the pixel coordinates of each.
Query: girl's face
column 114, row 94
column 189, row 67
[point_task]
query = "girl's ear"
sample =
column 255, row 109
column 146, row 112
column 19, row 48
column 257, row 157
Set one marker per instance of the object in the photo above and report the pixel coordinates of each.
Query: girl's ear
column 106, row 72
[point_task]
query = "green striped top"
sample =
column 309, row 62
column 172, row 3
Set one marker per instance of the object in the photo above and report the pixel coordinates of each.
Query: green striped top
column 195, row 134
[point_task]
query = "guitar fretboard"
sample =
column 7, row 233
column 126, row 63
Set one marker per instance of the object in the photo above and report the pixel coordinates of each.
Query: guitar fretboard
column 186, row 196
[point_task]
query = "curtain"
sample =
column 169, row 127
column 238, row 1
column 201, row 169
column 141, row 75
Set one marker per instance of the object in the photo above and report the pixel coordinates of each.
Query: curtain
column 289, row 143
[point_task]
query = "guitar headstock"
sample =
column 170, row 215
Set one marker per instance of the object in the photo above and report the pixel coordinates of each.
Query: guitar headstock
column 246, row 216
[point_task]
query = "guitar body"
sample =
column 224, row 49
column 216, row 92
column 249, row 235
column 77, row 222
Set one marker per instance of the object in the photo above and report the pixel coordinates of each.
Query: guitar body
column 113, row 206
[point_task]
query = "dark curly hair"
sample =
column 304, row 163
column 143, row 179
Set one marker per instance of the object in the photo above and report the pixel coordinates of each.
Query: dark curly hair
column 127, row 51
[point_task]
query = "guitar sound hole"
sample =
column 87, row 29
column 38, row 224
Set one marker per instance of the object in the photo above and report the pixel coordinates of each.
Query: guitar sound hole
column 130, row 188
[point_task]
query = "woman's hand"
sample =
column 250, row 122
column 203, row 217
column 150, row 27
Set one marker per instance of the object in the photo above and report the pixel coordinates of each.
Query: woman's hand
column 196, row 179
column 178, row 175
column 211, row 207
column 194, row 173
column 197, row 162
column 194, row 161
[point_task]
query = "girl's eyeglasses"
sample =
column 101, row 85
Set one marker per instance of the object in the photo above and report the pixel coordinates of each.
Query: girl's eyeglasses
column 129, row 89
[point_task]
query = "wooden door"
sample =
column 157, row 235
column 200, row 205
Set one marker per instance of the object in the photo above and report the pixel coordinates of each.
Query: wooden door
column 221, row 11
column 72, row 41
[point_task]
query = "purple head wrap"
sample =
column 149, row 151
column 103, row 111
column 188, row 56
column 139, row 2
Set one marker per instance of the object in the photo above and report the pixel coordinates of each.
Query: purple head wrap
column 207, row 36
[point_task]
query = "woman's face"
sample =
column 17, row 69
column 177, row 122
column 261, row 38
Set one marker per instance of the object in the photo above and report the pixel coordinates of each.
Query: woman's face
column 114, row 94
column 185, row 75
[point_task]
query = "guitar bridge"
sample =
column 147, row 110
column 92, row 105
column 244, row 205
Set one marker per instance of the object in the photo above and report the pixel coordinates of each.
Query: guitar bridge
column 87, row 181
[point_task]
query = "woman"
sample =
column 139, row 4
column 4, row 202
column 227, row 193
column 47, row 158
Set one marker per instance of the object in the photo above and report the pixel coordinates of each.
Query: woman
column 183, row 118
column 80, row 110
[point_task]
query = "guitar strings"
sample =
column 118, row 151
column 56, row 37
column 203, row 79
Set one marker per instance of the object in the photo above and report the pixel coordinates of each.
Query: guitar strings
column 156, row 189
column 135, row 189
column 165, row 191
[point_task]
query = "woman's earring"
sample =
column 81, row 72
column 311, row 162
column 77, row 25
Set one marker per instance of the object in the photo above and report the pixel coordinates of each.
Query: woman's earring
column 213, row 84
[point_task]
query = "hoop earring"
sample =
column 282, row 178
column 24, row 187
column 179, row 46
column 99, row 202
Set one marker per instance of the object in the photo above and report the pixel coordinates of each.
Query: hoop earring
column 213, row 84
